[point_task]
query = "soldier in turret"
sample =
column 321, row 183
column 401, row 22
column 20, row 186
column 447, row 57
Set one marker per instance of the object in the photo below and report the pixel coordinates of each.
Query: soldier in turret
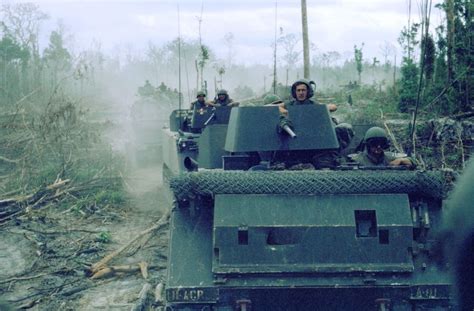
column 376, row 141
column 302, row 92
column 223, row 100
column 200, row 102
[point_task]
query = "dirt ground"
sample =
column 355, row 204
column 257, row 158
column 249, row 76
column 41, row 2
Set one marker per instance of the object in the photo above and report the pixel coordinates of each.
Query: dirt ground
column 45, row 258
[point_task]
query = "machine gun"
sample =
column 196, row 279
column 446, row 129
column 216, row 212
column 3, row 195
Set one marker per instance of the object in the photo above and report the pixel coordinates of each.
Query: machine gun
column 286, row 127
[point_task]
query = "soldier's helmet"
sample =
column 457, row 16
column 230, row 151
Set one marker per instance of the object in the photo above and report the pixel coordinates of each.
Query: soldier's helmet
column 201, row 93
column 271, row 99
column 309, row 84
column 376, row 135
column 222, row 92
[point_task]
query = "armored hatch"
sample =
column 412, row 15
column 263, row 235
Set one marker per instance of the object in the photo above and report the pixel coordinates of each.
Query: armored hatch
column 254, row 129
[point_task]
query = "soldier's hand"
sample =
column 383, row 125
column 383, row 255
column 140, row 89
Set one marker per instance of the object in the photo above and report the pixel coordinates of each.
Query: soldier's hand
column 282, row 110
column 332, row 107
column 401, row 161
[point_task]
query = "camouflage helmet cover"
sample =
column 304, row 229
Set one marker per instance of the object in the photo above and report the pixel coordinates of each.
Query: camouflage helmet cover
column 201, row 93
column 306, row 82
column 222, row 92
column 376, row 133
column 271, row 99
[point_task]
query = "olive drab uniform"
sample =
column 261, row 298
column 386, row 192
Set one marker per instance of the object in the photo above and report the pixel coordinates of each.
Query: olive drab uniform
column 344, row 131
column 365, row 159
column 227, row 101
column 200, row 103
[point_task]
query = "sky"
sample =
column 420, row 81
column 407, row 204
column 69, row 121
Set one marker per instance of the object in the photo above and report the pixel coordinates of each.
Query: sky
column 334, row 25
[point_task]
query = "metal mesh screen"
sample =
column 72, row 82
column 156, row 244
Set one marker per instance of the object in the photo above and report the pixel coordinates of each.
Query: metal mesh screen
column 208, row 183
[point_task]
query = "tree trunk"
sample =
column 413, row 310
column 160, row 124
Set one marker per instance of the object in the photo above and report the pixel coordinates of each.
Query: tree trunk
column 450, row 39
column 304, row 18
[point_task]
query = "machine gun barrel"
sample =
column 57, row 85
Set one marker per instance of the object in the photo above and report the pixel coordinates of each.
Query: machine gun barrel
column 213, row 115
column 289, row 131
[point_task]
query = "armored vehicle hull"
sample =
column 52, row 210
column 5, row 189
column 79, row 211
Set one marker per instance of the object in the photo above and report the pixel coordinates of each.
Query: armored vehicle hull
column 345, row 238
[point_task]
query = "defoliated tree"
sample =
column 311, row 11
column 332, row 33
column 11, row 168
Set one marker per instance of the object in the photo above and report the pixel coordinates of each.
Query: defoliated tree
column 229, row 42
column 291, row 55
column 22, row 21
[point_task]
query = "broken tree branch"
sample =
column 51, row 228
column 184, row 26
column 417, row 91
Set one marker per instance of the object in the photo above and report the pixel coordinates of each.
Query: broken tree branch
column 103, row 262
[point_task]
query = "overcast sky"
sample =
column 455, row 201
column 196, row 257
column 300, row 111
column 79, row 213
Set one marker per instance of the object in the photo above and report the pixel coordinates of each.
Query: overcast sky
column 334, row 25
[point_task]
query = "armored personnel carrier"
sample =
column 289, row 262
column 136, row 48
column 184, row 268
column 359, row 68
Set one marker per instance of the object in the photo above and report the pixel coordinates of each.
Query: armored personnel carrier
column 147, row 118
column 245, row 235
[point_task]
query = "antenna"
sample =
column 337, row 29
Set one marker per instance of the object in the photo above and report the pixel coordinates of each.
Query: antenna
column 275, row 52
column 179, row 63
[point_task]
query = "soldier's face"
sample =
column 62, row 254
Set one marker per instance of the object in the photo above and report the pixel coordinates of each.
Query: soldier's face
column 301, row 92
column 221, row 96
column 201, row 98
column 376, row 147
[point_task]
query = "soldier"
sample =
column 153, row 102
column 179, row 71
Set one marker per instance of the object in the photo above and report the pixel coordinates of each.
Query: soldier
column 200, row 103
column 302, row 92
column 223, row 99
column 376, row 142
column 146, row 90
column 275, row 100
column 272, row 100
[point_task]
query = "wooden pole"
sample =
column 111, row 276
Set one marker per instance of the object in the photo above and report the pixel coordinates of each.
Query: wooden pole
column 304, row 18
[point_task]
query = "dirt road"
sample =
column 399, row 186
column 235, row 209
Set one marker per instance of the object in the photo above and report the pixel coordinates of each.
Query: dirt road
column 45, row 257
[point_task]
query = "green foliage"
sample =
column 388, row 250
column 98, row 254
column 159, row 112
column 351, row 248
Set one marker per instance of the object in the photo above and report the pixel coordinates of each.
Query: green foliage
column 358, row 57
column 370, row 103
column 408, row 39
column 56, row 54
column 11, row 50
column 429, row 58
column 408, row 85
column 109, row 197
column 104, row 237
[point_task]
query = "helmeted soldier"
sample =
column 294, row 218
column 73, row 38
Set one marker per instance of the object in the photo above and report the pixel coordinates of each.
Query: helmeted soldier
column 223, row 99
column 302, row 91
column 146, row 90
column 375, row 142
column 271, row 100
column 200, row 101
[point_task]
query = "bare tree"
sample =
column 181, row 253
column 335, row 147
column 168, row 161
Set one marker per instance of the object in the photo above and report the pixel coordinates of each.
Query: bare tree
column 22, row 21
column 229, row 42
column 387, row 50
column 291, row 55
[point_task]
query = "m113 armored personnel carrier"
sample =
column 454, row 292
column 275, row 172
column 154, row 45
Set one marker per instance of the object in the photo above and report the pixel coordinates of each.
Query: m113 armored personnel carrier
column 247, row 236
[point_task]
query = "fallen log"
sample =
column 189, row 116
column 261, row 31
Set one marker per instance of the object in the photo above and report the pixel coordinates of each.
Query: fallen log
column 123, row 269
column 143, row 298
column 103, row 262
